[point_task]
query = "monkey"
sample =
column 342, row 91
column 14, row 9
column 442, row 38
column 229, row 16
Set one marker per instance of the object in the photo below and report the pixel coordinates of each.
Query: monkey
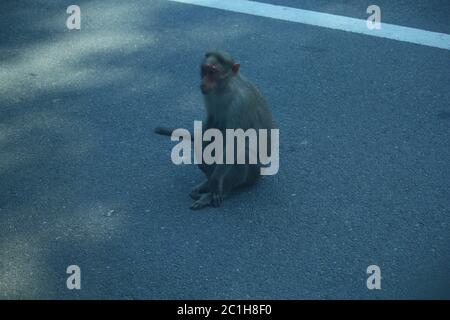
column 231, row 102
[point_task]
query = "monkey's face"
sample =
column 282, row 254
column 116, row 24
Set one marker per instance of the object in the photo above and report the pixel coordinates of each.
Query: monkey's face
column 216, row 70
column 210, row 74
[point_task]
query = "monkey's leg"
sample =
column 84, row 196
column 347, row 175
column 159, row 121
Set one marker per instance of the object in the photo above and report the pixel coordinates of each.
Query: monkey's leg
column 229, row 177
column 224, row 179
column 207, row 169
column 204, row 186
column 203, row 201
column 198, row 190
column 217, row 183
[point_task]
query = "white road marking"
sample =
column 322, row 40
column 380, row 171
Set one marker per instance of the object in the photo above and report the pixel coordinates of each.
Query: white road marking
column 389, row 31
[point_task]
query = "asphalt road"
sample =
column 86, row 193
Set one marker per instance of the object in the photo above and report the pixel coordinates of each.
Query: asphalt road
column 364, row 157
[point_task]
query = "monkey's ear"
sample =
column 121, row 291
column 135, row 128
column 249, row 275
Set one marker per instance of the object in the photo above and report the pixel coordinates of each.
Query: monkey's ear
column 235, row 68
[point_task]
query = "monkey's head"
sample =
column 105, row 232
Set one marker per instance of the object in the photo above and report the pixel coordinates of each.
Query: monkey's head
column 217, row 69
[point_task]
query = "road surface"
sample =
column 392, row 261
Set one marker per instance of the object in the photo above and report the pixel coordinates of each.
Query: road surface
column 364, row 155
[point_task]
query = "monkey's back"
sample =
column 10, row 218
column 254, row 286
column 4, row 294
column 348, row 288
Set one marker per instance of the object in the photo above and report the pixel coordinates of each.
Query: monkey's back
column 250, row 109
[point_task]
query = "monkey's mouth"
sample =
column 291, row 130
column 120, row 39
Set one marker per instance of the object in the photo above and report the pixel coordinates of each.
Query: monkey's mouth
column 207, row 88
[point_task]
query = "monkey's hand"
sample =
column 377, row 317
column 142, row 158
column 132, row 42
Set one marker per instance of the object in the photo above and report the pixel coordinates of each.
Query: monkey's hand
column 217, row 199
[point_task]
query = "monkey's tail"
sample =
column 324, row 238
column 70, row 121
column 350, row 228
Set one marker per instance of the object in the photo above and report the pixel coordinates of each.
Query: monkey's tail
column 164, row 131
column 168, row 132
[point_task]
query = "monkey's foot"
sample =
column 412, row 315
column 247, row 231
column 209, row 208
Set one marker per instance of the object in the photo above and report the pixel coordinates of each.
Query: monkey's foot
column 203, row 201
column 197, row 192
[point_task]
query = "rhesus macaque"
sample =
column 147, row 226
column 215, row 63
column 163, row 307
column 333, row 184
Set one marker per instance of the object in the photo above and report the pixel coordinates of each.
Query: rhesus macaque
column 231, row 102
